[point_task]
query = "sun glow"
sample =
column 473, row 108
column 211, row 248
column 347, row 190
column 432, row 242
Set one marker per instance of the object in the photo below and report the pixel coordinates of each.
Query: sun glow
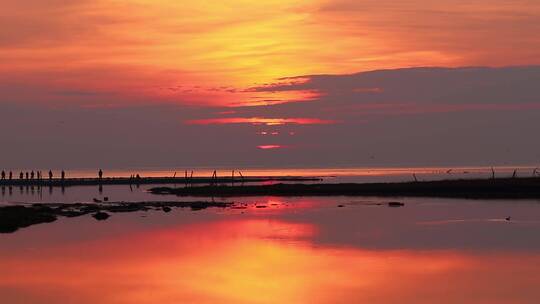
column 269, row 147
column 182, row 51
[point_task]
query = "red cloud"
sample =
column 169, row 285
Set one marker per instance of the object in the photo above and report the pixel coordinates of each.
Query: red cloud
column 260, row 121
column 270, row 147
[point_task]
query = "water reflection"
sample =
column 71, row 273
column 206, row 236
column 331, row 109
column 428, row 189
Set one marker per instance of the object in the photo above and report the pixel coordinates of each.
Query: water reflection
column 50, row 194
column 324, row 254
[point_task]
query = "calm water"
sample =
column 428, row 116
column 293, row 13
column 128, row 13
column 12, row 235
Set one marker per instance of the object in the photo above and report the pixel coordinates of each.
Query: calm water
column 297, row 250
column 333, row 175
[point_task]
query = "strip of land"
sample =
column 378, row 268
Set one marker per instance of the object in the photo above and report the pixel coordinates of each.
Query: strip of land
column 512, row 188
column 12, row 218
column 68, row 182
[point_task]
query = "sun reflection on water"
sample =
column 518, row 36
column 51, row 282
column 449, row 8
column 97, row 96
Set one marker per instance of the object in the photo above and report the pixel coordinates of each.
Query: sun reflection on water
column 258, row 261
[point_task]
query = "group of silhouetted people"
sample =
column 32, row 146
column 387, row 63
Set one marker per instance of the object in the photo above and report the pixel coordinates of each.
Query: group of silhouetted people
column 37, row 175
column 32, row 175
column 4, row 175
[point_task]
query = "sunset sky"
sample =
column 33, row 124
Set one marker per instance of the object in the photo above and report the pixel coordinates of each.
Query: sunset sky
column 269, row 83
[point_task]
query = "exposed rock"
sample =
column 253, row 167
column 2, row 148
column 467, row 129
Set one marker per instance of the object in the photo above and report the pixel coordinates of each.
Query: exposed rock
column 14, row 217
column 101, row 216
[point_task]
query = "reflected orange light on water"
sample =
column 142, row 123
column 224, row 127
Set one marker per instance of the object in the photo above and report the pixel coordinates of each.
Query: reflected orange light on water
column 258, row 261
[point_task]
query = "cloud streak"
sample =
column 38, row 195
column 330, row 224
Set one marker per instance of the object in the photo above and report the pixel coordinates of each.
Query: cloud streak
column 261, row 121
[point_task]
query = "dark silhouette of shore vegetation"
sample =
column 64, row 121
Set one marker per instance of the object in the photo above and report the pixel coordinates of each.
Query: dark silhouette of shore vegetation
column 494, row 188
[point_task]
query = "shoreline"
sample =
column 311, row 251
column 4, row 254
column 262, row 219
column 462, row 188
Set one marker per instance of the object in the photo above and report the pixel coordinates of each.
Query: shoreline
column 15, row 217
column 69, row 182
column 498, row 188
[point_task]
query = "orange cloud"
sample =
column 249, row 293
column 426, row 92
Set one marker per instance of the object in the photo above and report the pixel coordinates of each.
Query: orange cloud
column 136, row 49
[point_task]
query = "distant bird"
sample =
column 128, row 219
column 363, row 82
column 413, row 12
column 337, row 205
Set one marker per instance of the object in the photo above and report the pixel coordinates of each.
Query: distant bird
column 508, row 218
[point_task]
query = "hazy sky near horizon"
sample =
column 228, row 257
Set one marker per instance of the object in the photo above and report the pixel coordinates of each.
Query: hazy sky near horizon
column 113, row 83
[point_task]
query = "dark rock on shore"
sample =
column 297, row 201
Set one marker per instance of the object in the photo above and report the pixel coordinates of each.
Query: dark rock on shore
column 101, row 216
column 13, row 218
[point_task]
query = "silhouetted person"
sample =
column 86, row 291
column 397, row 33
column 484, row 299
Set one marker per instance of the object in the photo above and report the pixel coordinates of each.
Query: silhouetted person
column 21, row 176
column 138, row 176
column 100, row 174
column 38, row 175
column 3, row 174
column 63, row 175
column 32, row 174
column 10, row 175
column 27, row 175
column 50, row 175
